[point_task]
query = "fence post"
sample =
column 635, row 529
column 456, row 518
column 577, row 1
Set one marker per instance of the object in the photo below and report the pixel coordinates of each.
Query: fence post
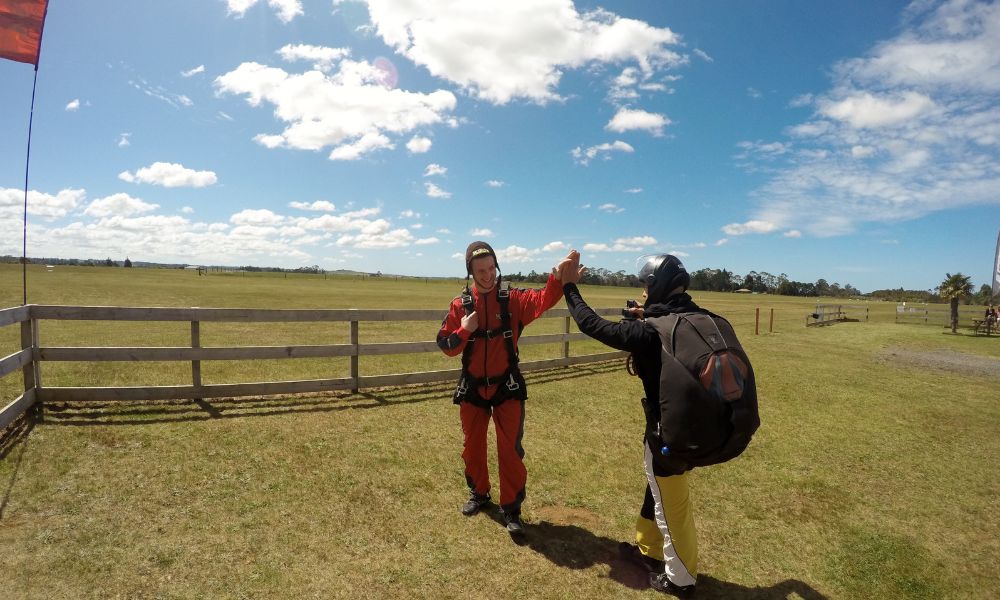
column 756, row 321
column 355, row 375
column 566, row 343
column 866, row 313
column 29, row 338
column 770, row 327
column 196, row 364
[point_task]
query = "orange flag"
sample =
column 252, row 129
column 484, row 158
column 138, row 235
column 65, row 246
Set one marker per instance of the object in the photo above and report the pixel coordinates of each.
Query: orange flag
column 21, row 24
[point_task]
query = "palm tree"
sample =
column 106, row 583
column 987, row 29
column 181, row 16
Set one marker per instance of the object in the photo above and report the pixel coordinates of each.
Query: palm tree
column 953, row 288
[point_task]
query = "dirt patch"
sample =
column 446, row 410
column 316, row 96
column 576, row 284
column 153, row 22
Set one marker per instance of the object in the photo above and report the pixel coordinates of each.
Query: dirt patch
column 566, row 515
column 942, row 360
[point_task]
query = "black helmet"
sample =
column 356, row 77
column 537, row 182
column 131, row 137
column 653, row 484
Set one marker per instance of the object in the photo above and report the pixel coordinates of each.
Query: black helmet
column 662, row 274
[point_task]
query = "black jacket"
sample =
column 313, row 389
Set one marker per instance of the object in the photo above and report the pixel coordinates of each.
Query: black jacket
column 642, row 340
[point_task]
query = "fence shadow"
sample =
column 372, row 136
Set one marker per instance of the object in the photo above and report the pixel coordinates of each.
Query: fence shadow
column 151, row 412
column 14, row 436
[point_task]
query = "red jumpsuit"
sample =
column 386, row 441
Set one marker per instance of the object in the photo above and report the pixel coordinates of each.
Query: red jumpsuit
column 489, row 358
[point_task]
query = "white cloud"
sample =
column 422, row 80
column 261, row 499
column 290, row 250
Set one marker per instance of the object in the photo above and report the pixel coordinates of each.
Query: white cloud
column 286, row 9
column 256, row 217
column 418, row 145
column 754, row 93
column 703, row 55
column 793, row 233
column 865, row 110
column 427, row 241
column 481, row 233
column 862, row 151
column 367, row 143
column 73, row 106
column 516, row 254
column 194, row 71
column 170, row 175
column 435, row 169
column 584, row 157
column 679, row 254
column 322, row 58
column 409, row 214
column 350, row 109
column 908, row 129
column 721, row 242
column 118, row 204
column 187, row 210
column 628, row 244
column 318, row 205
column 610, row 208
column 47, row 206
column 748, row 227
column 554, row 247
column 434, row 191
column 495, row 183
column 501, row 51
column 636, row 190
column 627, row 119
column 123, row 140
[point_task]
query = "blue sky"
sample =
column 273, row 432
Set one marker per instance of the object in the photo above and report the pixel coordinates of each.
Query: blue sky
column 853, row 141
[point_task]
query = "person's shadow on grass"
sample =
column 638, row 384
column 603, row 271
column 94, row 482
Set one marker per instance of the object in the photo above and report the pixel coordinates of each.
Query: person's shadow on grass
column 575, row 547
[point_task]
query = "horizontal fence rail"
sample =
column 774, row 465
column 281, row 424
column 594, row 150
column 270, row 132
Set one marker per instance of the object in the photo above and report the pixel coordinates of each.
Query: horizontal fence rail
column 32, row 354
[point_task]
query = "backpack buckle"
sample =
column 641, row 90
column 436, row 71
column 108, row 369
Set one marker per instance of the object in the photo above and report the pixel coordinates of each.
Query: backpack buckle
column 508, row 333
column 463, row 387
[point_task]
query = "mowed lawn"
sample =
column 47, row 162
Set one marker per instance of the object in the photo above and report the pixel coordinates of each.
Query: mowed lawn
column 873, row 474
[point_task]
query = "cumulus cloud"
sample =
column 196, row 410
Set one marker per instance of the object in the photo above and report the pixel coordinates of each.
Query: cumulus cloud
column 495, row 183
column 481, row 233
column 322, row 58
column 488, row 50
column 748, row 227
column 435, row 169
column 409, row 214
column 627, row 119
column 169, row 175
column 318, row 205
column 584, row 157
column 610, row 207
column 434, row 191
column 73, row 106
column 348, row 109
column 194, row 71
column 792, row 233
column 46, row 206
column 908, row 129
column 118, row 204
column 628, row 244
column 554, row 247
column 418, row 145
column 285, row 9
column 123, row 140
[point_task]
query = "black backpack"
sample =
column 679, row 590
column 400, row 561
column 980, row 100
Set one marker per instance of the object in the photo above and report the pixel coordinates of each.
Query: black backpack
column 708, row 398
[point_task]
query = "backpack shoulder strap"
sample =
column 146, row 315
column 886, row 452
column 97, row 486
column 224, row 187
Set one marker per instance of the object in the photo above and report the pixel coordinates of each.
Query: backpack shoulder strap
column 707, row 330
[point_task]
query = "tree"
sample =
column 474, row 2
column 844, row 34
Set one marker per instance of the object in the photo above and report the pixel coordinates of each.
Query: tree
column 954, row 288
column 128, row 263
column 108, row 262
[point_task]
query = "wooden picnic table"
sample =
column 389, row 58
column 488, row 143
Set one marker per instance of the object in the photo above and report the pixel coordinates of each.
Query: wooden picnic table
column 987, row 326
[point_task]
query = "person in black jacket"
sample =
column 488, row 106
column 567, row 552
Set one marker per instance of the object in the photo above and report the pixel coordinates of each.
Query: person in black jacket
column 666, row 540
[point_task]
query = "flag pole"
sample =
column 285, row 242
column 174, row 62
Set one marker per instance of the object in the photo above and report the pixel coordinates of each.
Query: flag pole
column 27, row 163
column 24, row 231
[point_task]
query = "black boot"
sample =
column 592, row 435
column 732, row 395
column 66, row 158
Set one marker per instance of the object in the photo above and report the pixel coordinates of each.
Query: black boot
column 475, row 503
column 660, row 583
column 514, row 525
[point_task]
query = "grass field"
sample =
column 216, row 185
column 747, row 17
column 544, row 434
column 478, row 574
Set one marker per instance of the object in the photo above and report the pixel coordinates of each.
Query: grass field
column 873, row 474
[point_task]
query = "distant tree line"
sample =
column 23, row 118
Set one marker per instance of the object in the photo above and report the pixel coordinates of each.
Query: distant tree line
column 762, row 282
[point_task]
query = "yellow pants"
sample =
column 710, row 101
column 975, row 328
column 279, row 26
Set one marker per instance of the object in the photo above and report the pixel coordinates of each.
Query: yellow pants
column 668, row 533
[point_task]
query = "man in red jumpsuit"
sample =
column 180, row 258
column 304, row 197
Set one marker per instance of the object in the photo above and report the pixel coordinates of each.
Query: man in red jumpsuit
column 483, row 325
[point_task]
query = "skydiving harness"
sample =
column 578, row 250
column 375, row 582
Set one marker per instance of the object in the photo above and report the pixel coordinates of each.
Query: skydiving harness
column 511, row 382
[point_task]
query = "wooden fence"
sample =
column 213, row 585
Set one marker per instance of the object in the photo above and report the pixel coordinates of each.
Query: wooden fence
column 29, row 359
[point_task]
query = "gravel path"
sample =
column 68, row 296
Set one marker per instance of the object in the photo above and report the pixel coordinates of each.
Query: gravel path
column 945, row 360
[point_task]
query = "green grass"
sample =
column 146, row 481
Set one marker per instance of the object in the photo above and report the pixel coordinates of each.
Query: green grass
column 869, row 478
